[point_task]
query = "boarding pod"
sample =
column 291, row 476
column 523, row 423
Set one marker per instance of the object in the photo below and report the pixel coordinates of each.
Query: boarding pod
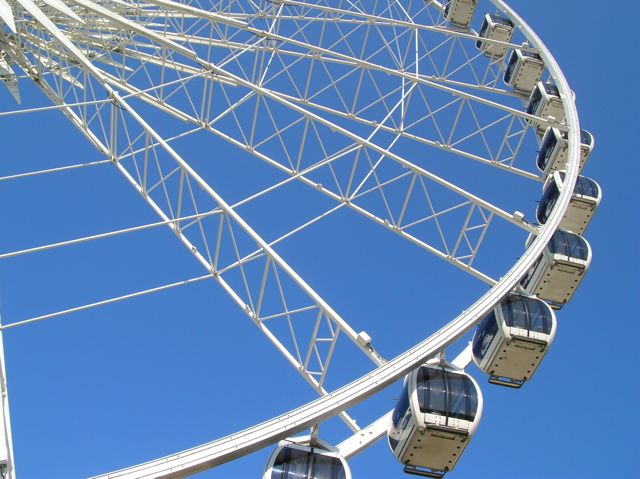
column 306, row 458
column 554, row 151
column 460, row 12
column 438, row 411
column 524, row 71
column 555, row 276
column 584, row 201
column 495, row 28
column 512, row 339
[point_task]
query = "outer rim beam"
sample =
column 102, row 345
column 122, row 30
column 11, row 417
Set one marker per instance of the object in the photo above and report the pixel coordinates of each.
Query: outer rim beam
column 6, row 440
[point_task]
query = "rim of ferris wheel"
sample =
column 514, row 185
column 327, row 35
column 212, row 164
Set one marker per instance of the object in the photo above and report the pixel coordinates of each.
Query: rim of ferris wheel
column 231, row 447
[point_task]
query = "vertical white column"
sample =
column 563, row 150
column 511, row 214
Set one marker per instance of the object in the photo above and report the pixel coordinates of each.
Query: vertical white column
column 7, row 469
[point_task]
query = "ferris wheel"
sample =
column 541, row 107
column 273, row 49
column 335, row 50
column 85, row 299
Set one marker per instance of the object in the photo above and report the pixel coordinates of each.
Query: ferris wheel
column 447, row 128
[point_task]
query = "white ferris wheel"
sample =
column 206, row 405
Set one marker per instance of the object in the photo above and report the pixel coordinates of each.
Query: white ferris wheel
column 247, row 126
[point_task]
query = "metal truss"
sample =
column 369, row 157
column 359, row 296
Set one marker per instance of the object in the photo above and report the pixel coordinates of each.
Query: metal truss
column 264, row 286
column 256, row 80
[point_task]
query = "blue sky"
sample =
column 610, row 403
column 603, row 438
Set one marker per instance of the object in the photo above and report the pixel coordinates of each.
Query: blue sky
column 114, row 386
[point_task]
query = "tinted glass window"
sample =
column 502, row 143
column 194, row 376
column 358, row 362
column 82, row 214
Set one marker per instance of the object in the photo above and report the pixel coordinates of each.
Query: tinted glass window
column 402, row 405
column 485, row 333
column 586, row 186
column 291, row 464
column 527, row 313
column 325, row 467
column 447, row 394
column 531, row 55
column 548, row 201
column 585, row 137
column 546, row 149
column 551, row 89
column 527, row 277
column 515, row 313
column 296, row 464
column 568, row 244
column 536, row 96
column 540, row 317
column 500, row 20
column 463, row 400
column 432, row 391
column 483, row 30
column 512, row 64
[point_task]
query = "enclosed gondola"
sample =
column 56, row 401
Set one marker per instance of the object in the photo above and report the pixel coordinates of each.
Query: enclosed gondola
column 583, row 204
column 306, row 458
column 524, row 71
column 511, row 340
column 545, row 102
column 495, row 28
column 555, row 149
column 460, row 12
column 438, row 411
column 555, row 276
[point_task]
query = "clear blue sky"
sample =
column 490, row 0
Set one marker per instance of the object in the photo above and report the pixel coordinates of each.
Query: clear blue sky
column 118, row 385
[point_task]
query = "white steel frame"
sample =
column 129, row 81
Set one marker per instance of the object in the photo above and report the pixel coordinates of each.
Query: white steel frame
column 110, row 119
